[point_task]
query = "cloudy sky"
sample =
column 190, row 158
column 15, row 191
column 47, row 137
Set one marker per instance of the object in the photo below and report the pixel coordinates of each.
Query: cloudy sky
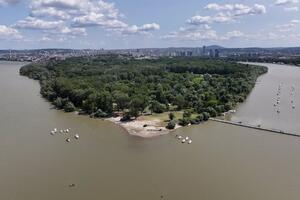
column 114, row 24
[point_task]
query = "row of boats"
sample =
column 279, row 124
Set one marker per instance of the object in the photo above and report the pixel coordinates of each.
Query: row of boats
column 64, row 131
column 184, row 139
column 277, row 104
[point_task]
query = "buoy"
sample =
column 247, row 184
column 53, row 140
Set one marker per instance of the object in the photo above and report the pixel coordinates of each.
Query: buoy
column 183, row 141
column 68, row 140
column 190, row 141
column 76, row 136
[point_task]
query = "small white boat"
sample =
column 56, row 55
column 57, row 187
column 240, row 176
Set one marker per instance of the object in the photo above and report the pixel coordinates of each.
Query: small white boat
column 278, row 111
column 55, row 130
column 187, row 138
column 183, row 141
column 68, row 140
column 179, row 137
column 67, row 130
column 76, row 136
column 61, row 131
column 294, row 106
column 190, row 142
column 52, row 133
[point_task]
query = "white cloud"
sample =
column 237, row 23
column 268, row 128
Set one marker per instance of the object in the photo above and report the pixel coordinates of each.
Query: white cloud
column 227, row 13
column 97, row 19
column 201, row 33
column 238, row 9
column 219, row 18
column 9, row 2
column 34, row 23
column 50, row 12
column 79, row 14
column 291, row 9
column 285, row 2
column 9, row 33
column 234, row 34
column 288, row 27
column 149, row 27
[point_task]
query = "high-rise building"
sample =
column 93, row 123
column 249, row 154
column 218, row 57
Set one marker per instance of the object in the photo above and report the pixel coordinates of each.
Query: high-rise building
column 217, row 53
column 211, row 53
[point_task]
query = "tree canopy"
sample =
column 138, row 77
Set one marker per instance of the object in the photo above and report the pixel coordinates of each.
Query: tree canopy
column 106, row 84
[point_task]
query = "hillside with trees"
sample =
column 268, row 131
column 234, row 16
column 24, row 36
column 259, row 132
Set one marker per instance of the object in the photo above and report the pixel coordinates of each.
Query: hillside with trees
column 109, row 84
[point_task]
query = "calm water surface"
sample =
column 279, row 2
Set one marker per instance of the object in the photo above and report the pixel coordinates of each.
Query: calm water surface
column 259, row 108
column 223, row 162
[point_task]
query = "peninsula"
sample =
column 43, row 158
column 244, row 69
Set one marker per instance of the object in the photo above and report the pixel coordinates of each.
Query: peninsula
column 148, row 97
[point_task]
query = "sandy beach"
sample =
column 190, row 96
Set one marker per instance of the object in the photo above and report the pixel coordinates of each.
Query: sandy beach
column 137, row 127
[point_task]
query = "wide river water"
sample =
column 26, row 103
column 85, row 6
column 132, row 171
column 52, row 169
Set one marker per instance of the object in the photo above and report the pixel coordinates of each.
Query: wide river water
column 223, row 162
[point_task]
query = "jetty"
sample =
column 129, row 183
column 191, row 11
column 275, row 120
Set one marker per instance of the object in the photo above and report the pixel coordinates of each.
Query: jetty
column 254, row 127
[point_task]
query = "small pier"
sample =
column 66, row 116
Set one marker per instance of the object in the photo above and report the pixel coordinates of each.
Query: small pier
column 254, row 127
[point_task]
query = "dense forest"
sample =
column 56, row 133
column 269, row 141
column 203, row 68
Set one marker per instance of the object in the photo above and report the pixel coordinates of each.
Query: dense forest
column 109, row 84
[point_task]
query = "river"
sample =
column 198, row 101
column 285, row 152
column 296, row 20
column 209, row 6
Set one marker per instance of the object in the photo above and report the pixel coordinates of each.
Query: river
column 259, row 107
column 223, row 162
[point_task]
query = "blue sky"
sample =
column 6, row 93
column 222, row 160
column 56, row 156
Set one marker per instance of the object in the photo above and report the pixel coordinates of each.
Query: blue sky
column 112, row 24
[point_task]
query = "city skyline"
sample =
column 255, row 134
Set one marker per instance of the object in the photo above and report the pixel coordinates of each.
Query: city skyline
column 115, row 24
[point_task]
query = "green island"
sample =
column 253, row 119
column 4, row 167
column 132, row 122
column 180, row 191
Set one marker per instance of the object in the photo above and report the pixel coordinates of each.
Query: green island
column 147, row 97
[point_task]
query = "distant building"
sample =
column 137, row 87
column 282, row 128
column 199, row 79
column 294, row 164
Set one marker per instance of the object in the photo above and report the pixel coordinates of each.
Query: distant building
column 217, row 53
column 204, row 51
column 211, row 53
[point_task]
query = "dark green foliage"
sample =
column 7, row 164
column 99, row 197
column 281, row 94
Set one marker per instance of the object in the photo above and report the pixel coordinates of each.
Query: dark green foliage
column 187, row 114
column 157, row 107
column 69, row 107
column 99, row 114
column 200, row 117
column 184, row 121
column 171, row 116
column 126, row 117
column 171, row 124
column 206, row 116
column 120, row 83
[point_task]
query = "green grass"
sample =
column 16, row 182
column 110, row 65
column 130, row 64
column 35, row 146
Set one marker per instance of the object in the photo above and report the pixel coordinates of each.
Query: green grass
column 164, row 117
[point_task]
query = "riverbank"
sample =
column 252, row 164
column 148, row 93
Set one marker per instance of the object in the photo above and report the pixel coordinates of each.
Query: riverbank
column 143, row 127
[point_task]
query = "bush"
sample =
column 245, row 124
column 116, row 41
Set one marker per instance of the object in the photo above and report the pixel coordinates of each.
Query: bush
column 58, row 103
column 69, row 107
column 212, row 112
column 157, row 107
column 206, row 116
column 126, row 117
column 187, row 114
column 171, row 116
column 100, row 114
column 184, row 121
column 200, row 117
column 171, row 124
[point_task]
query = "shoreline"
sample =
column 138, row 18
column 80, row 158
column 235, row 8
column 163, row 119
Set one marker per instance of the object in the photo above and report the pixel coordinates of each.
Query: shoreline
column 153, row 128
